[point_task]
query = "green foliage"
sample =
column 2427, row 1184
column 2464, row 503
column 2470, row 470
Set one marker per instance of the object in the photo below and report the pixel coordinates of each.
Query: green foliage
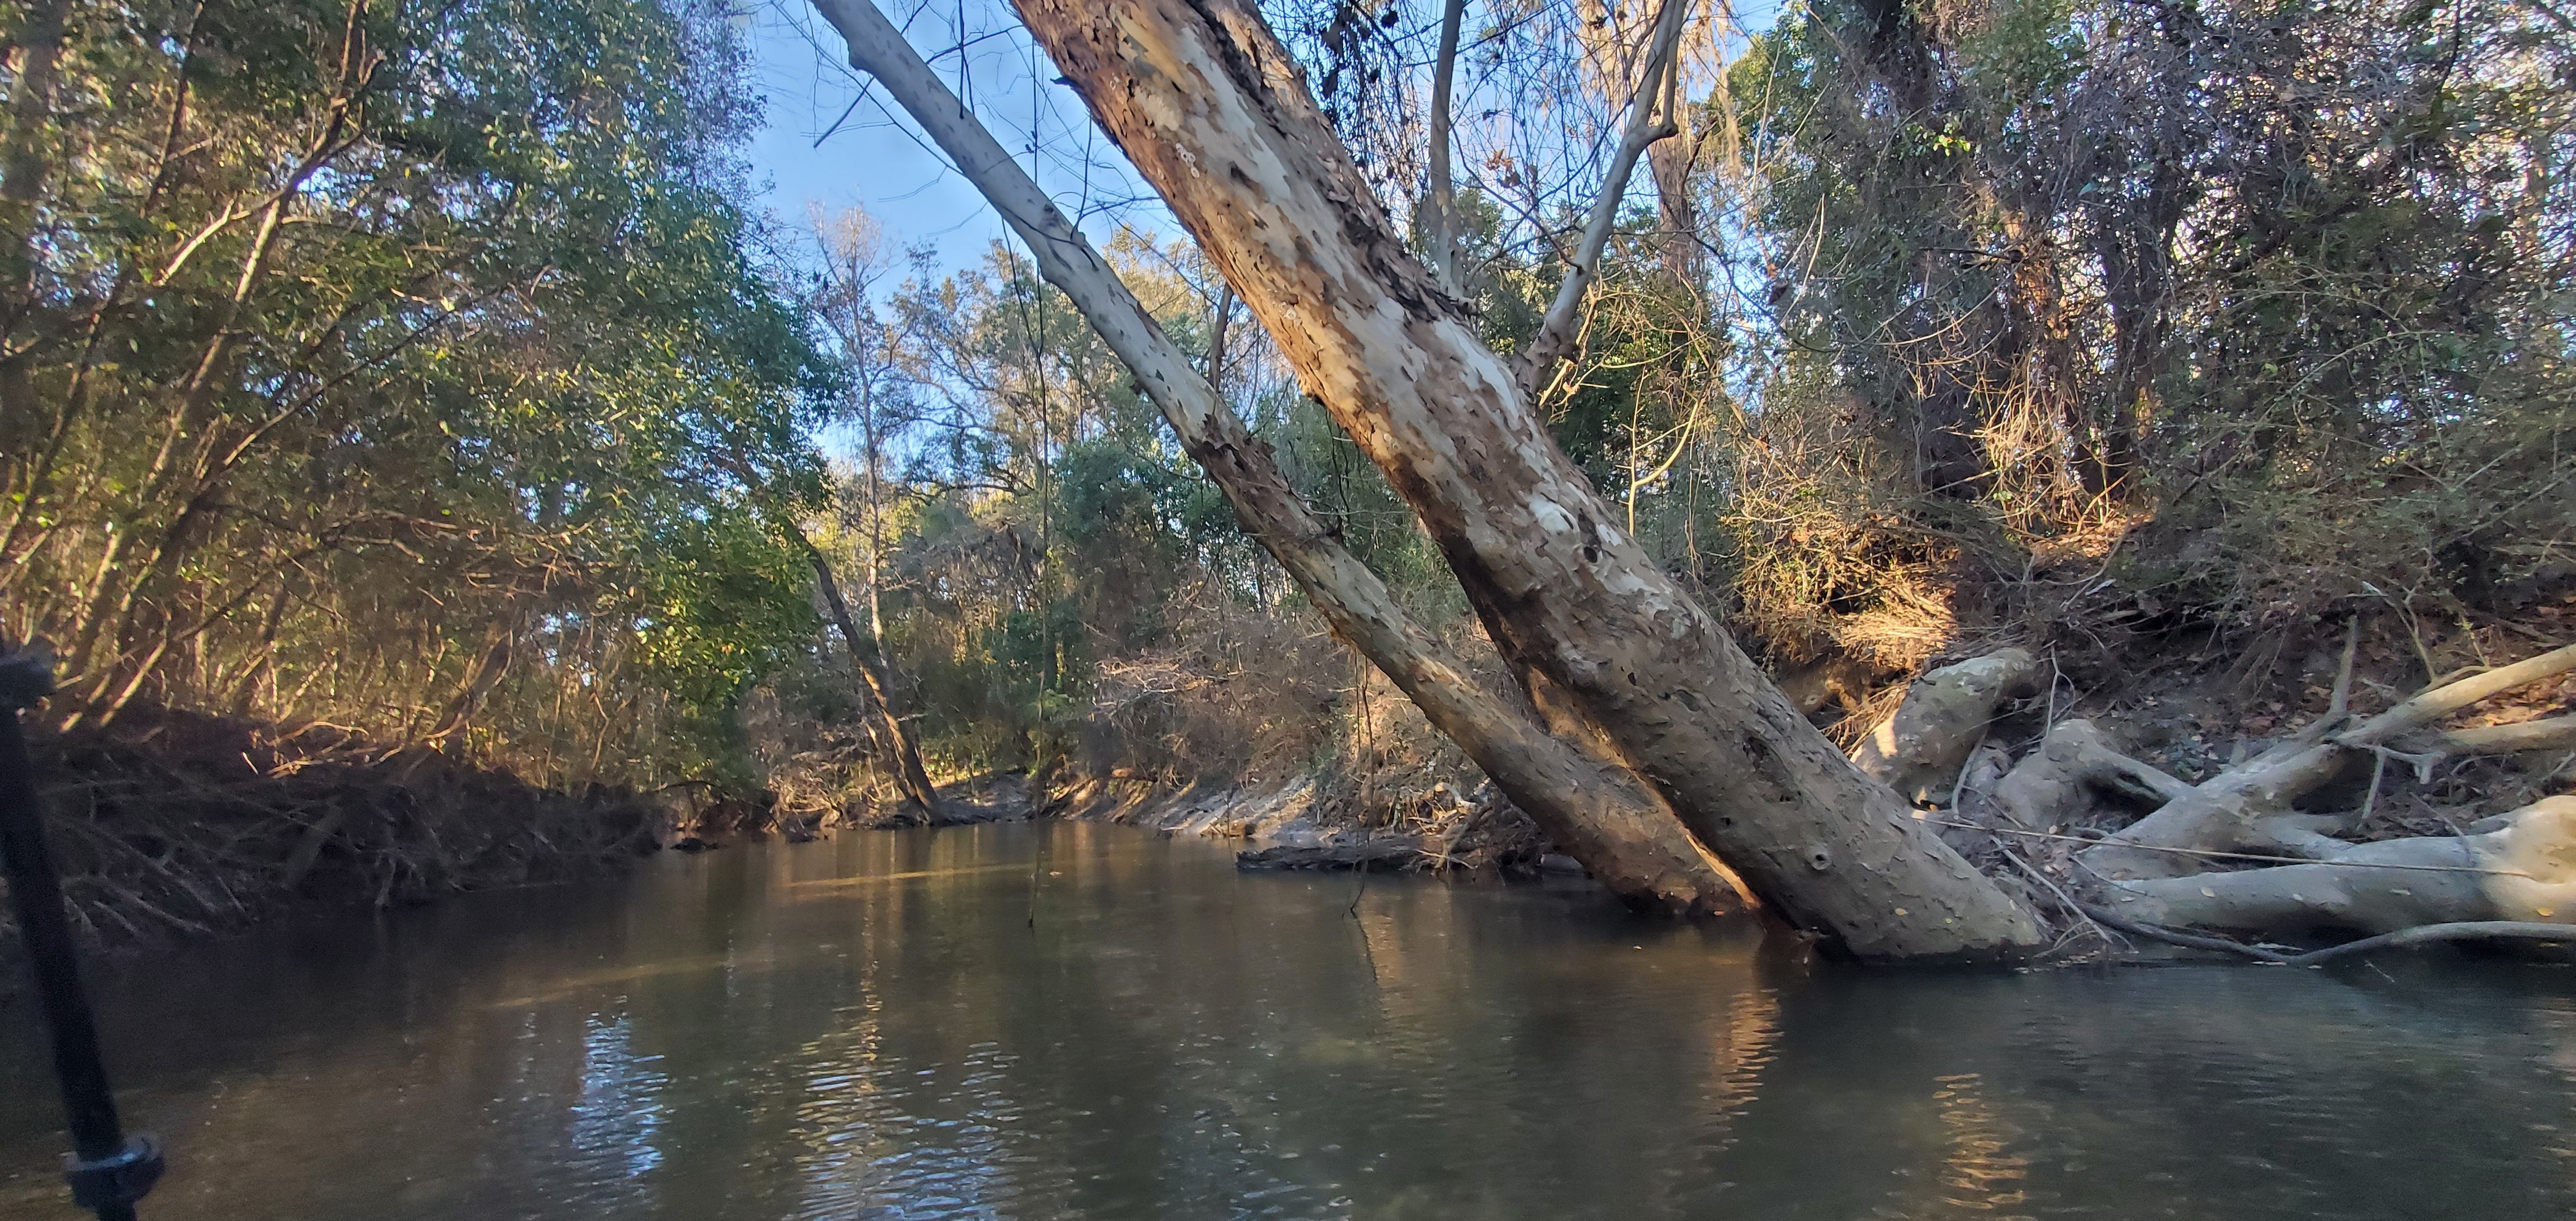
column 419, row 379
column 2275, row 291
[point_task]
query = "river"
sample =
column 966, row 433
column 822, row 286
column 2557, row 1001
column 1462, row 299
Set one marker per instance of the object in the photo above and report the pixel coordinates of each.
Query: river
column 1062, row 1021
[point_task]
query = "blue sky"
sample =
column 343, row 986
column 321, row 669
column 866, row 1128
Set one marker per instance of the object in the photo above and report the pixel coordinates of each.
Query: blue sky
column 817, row 146
column 864, row 157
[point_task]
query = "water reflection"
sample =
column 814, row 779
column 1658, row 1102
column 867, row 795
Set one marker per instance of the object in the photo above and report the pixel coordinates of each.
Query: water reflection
column 620, row 1109
column 1980, row 1171
column 1091, row 1022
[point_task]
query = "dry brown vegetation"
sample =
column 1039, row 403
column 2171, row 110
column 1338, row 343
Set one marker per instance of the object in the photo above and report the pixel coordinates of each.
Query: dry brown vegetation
column 168, row 824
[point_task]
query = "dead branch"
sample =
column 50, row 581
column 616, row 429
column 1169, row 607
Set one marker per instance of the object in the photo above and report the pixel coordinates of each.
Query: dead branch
column 2246, row 808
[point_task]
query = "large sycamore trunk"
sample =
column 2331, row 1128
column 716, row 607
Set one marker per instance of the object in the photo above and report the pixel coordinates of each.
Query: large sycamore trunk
column 1593, row 808
column 1214, row 113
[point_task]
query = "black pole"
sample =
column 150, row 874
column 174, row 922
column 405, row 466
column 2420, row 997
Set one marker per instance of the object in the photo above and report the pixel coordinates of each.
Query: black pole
column 107, row 1172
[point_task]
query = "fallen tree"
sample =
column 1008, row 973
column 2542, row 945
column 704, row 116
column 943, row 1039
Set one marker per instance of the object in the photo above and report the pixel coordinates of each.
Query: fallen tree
column 2509, row 877
column 1215, row 114
column 1586, row 802
column 2251, row 807
column 2513, row 867
column 876, row 685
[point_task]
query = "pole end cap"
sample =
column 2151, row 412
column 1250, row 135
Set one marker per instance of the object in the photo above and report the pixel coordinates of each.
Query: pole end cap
column 119, row 1178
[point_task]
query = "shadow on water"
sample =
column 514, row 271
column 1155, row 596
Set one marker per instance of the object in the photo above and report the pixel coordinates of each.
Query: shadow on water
column 1084, row 1021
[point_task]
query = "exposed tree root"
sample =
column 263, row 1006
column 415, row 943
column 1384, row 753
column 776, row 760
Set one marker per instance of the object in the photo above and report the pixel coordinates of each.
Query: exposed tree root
column 2422, row 934
column 1918, row 750
column 2522, row 870
column 2189, row 941
column 2512, row 877
column 2249, row 808
column 2073, row 767
column 2554, row 733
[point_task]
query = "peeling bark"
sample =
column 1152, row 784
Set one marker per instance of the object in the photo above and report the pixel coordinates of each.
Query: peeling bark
column 1216, row 115
column 1586, row 802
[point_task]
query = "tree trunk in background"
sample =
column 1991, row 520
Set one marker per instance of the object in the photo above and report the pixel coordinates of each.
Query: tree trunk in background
column 1685, row 260
column 1589, row 805
column 22, row 185
column 1216, row 115
column 909, row 774
column 1613, row 36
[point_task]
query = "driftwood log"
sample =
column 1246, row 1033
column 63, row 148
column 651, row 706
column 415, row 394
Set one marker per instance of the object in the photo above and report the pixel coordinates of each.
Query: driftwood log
column 2249, row 808
column 1371, row 854
column 2519, row 866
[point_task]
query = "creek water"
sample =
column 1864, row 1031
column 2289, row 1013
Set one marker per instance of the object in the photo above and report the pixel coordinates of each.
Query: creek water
column 1059, row 1021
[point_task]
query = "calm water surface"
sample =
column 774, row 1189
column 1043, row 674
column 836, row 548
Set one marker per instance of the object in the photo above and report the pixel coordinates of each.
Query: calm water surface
column 1079, row 1021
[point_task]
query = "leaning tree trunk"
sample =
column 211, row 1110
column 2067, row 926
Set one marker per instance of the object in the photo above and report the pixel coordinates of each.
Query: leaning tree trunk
column 1594, row 809
column 865, row 657
column 1215, row 114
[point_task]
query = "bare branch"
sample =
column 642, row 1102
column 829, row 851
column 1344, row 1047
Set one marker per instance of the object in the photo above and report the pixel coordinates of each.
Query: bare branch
column 1438, row 214
column 2461, row 930
column 1648, row 122
column 2430, row 706
column 2552, row 733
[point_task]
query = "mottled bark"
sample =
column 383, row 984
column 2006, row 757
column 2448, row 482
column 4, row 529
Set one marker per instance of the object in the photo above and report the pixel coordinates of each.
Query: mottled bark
column 1917, row 750
column 1594, row 809
column 1214, row 113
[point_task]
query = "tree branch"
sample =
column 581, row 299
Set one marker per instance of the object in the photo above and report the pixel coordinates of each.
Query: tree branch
column 1439, row 211
column 2464, row 930
column 1647, row 123
column 2552, row 733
